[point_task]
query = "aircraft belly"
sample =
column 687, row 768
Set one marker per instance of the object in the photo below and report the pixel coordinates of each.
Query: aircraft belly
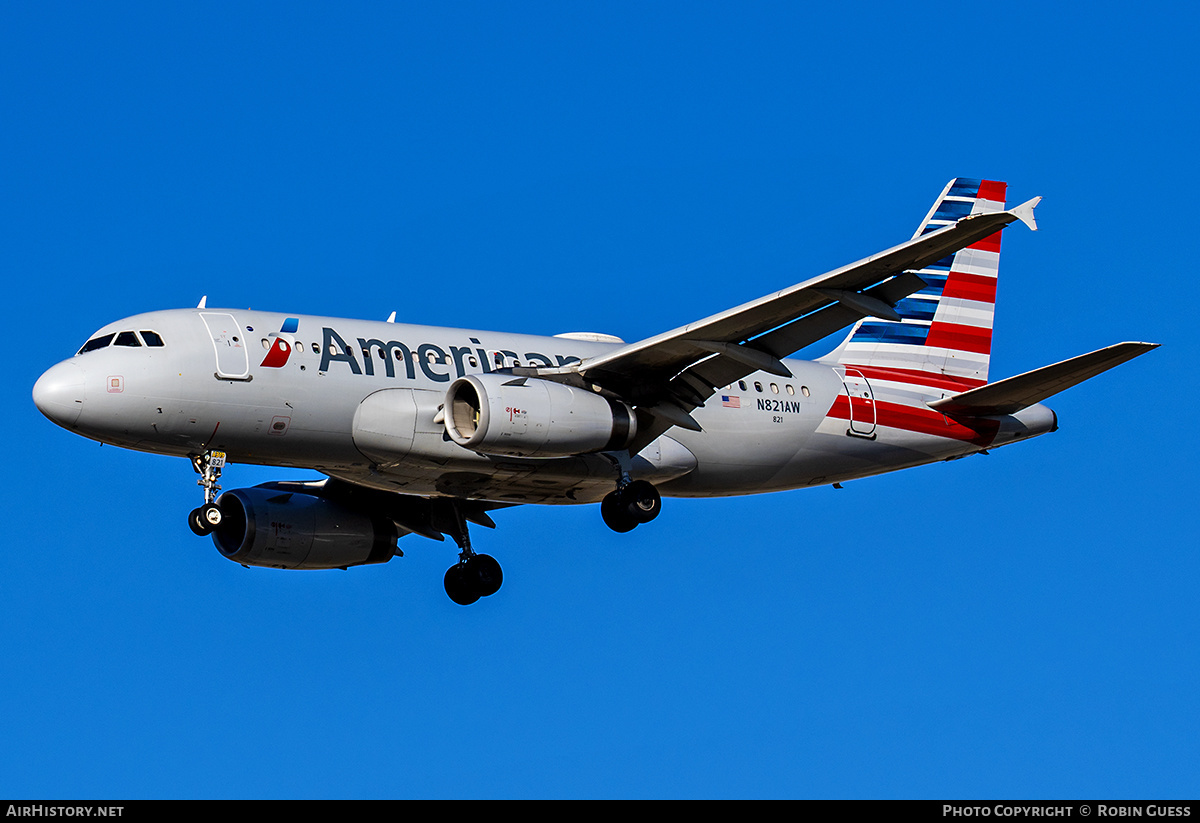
column 454, row 471
column 582, row 479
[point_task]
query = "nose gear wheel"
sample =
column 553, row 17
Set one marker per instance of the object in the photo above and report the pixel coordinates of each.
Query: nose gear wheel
column 206, row 518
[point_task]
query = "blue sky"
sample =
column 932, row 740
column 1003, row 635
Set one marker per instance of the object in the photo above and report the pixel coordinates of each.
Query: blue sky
column 1016, row 625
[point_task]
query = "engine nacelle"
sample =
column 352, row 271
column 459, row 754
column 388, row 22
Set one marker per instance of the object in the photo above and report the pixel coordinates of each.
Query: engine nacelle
column 530, row 417
column 287, row 530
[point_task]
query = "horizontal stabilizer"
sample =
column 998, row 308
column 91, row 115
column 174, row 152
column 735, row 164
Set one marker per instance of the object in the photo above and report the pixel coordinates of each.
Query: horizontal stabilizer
column 1015, row 393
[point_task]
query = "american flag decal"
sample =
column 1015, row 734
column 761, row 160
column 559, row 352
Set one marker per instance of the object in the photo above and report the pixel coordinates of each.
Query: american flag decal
column 731, row 401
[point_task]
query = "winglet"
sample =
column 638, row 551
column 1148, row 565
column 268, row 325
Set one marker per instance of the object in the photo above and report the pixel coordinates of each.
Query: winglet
column 1024, row 212
column 203, row 300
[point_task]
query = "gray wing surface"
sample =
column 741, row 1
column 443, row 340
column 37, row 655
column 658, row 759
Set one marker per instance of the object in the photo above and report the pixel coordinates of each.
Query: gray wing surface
column 1012, row 394
column 668, row 375
column 430, row 517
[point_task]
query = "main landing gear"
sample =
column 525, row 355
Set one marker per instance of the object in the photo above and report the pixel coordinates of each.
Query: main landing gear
column 208, row 517
column 634, row 502
column 475, row 575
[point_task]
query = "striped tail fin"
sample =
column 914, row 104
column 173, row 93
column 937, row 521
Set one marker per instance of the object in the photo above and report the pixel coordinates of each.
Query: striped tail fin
column 944, row 336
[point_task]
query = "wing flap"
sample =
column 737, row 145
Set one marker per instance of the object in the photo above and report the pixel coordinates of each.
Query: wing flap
column 1015, row 393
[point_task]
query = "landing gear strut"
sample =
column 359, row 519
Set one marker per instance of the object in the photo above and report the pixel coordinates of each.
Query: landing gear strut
column 633, row 502
column 208, row 517
column 475, row 575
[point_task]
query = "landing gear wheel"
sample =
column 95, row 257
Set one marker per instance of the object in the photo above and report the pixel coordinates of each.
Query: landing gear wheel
column 616, row 513
column 458, row 585
column 484, row 573
column 211, row 515
column 642, row 501
column 633, row 503
column 198, row 524
column 208, row 517
column 474, row 575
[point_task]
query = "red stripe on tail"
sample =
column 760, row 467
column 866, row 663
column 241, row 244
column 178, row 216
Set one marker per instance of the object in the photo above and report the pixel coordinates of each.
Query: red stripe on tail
column 989, row 243
column 964, row 338
column 970, row 287
column 992, row 190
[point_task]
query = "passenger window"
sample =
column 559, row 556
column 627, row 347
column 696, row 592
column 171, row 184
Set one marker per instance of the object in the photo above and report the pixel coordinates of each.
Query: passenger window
column 757, row 386
column 316, row 348
column 774, row 388
column 152, row 339
column 804, row 390
column 127, row 338
column 790, row 390
column 97, row 343
column 742, row 385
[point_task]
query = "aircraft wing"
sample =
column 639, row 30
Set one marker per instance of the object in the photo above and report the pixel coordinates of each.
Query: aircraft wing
column 669, row 375
column 430, row 517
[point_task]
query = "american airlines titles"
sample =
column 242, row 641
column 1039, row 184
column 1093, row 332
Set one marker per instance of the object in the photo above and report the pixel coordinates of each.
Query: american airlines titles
column 433, row 360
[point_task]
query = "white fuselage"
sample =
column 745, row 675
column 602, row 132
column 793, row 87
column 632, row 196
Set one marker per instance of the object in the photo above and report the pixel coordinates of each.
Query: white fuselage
column 282, row 390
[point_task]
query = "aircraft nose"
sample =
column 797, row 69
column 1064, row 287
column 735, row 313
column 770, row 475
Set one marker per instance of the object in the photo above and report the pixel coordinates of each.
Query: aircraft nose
column 58, row 393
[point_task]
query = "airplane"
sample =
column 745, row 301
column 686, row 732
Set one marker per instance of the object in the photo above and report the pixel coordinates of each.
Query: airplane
column 425, row 430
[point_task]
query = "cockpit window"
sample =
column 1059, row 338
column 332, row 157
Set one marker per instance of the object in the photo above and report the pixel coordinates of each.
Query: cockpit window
column 96, row 343
column 129, row 339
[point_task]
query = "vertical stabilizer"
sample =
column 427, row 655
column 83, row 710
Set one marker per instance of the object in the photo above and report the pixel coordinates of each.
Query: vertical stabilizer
column 944, row 334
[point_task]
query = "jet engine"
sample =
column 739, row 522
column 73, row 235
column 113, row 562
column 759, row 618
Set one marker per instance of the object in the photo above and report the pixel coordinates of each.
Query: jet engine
column 529, row 417
column 289, row 530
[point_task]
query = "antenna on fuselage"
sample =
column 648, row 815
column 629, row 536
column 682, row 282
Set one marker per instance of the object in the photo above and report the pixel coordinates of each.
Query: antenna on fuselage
column 203, row 300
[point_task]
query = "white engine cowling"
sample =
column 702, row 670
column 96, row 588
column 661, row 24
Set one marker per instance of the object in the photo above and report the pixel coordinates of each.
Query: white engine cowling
column 286, row 530
column 528, row 417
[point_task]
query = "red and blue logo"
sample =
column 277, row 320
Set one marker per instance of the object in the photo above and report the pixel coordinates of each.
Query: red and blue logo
column 281, row 344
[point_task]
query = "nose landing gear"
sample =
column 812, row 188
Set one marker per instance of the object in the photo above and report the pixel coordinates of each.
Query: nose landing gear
column 208, row 517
